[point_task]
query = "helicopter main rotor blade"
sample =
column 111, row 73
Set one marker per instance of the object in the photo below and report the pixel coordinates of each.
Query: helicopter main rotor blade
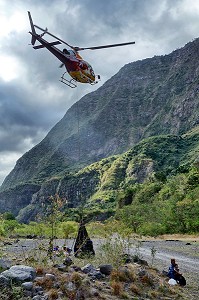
column 81, row 48
column 105, row 46
column 46, row 32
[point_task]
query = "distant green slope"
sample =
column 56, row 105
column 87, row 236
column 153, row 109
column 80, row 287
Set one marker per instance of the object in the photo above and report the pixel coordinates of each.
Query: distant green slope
column 113, row 182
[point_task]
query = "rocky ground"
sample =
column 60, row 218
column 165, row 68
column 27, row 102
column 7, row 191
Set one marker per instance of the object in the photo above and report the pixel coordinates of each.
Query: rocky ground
column 142, row 282
column 186, row 253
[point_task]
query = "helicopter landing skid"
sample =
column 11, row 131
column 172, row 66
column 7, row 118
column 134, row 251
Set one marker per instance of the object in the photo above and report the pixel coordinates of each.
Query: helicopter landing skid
column 71, row 83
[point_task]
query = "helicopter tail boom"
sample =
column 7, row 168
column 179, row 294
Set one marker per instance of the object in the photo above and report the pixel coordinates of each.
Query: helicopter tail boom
column 33, row 40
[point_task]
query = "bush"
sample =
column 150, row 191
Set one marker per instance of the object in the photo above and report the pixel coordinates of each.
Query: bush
column 152, row 229
column 68, row 229
column 8, row 216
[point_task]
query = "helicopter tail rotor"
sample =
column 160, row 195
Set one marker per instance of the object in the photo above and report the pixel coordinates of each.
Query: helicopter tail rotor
column 33, row 40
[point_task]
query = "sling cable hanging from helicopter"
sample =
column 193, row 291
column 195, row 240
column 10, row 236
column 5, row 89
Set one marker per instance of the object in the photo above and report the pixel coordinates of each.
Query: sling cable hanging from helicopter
column 78, row 132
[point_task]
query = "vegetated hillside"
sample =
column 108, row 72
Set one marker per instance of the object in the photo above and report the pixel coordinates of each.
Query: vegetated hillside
column 155, row 96
column 140, row 173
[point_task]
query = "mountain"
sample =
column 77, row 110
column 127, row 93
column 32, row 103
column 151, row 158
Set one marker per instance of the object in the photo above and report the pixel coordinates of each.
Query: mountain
column 151, row 97
column 97, row 186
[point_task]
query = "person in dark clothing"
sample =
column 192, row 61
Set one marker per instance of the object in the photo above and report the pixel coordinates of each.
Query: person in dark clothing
column 174, row 273
column 171, row 273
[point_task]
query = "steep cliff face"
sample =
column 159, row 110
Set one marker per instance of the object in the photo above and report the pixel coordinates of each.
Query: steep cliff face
column 96, row 187
column 159, row 95
column 17, row 198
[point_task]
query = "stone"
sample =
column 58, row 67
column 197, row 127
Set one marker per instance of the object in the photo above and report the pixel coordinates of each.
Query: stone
column 50, row 276
column 96, row 275
column 88, row 269
column 27, row 294
column 60, row 294
column 140, row 261
column 75, row 268
column 70, row 286
column 38, row 289
column 37, row 297
column 62, row 267
column 106, row 269
column 4, row 281
column 94, row 292
column 142, row 272
column 17, row 276
column 26, row 269
column 20, row 273
column 5, row 264
column 68, row 261
column 27, row 285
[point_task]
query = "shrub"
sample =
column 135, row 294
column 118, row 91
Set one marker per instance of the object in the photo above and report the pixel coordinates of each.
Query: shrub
column 68, row 228
column 117, row 288
column 52, row 294
column 152, row 229
column 76, row 279
column 135, row 289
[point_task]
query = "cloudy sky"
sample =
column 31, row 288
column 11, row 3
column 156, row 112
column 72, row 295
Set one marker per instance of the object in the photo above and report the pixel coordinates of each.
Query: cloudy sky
column 32, row 99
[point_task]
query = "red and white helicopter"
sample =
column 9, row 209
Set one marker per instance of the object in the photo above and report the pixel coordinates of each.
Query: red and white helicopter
column 77, row 68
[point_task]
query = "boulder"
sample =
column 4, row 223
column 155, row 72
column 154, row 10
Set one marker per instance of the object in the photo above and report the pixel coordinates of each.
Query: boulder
column 20, row 273
column 106, row 269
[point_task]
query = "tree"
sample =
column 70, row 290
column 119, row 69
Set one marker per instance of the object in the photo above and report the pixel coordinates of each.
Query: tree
column 52, row 214
column 8, row 216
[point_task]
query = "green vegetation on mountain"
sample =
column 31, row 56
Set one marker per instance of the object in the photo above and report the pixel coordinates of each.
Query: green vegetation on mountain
column 152, row 188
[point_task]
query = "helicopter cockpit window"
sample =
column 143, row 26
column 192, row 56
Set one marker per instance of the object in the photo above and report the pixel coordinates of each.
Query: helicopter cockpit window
column 72, row 53
column 65, row 51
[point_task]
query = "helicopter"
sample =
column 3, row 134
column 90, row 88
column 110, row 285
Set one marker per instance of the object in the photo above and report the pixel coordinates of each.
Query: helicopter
column 78, row 69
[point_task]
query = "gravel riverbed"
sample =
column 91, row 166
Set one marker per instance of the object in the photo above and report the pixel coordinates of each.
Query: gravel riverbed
column 156, row 252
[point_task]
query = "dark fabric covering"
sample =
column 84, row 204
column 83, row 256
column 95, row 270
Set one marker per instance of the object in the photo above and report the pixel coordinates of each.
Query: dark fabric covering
column 83, row 244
